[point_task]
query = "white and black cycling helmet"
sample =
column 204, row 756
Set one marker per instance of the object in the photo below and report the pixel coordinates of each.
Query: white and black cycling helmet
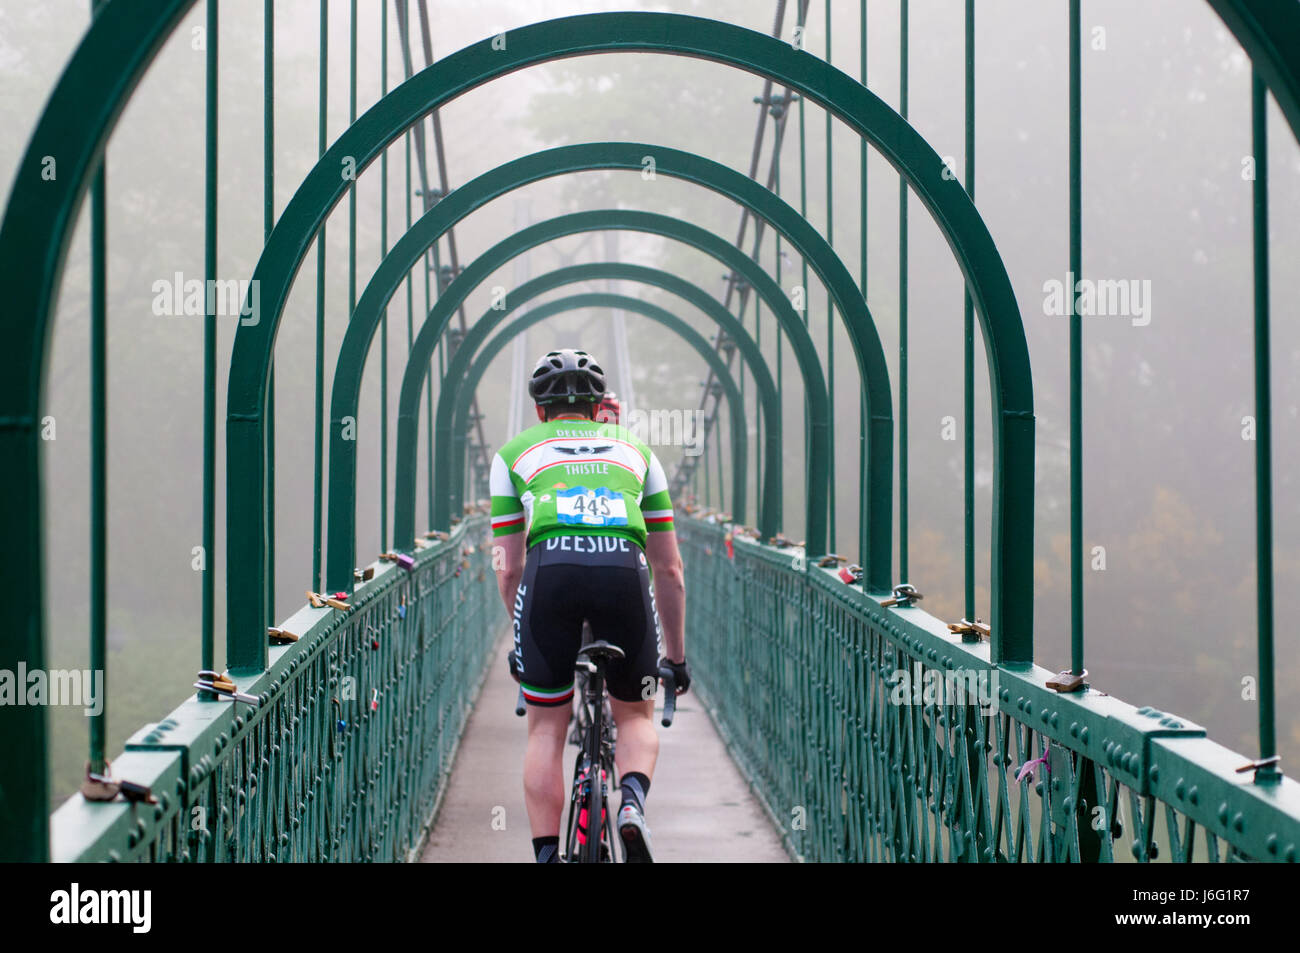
column 566, row 376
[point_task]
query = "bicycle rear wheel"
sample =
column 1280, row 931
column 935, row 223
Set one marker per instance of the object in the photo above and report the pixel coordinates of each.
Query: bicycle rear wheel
column 576, row 802
column 595, row 797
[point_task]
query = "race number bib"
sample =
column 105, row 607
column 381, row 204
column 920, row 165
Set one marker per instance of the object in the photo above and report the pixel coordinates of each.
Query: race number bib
column 579, row 506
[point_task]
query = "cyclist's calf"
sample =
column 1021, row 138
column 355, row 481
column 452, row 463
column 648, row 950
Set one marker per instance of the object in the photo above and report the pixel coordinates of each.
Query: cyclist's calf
column 638, row 742
column 544, row 789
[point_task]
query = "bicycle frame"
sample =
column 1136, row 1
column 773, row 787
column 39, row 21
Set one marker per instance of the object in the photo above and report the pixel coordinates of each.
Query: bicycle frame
column 593, row 772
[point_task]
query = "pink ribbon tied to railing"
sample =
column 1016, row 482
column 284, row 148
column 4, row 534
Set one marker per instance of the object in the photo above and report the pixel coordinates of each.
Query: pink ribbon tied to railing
column 1027, row 769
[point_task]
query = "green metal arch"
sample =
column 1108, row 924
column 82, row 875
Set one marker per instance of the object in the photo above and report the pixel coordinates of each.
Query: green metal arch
column 946, row 200
column 450, row 436
column 462, row 390
column 351, row 363
column 247, row 364
column 818, row 461
column 1269, row 32
column 954, row 212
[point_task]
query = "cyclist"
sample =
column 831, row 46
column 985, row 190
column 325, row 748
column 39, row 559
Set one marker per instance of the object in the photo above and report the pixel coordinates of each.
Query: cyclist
column 590, row 501
column 609, row 409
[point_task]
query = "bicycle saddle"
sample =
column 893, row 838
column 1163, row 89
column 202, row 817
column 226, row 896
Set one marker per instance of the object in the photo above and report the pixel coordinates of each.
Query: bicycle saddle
column 601, row 651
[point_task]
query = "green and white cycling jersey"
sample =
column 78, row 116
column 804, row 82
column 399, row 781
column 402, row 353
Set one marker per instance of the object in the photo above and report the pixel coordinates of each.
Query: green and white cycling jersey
column 576, row 477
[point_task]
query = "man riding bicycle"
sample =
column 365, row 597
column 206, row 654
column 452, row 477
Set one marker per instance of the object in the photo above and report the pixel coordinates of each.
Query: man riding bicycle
column 589, row 502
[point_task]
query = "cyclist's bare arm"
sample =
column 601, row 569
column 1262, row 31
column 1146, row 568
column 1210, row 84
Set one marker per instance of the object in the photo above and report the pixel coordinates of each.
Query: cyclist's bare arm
column 508, row 561
column 670, row 591
column 509, row 532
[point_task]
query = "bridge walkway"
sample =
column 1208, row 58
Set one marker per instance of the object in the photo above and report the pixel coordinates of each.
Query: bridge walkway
column 700, row 807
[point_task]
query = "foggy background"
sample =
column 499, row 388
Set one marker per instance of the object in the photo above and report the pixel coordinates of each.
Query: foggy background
column 1168, row 478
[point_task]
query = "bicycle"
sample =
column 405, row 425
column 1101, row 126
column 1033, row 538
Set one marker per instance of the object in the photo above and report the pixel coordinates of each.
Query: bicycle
column 581, row 715
column 595, row 734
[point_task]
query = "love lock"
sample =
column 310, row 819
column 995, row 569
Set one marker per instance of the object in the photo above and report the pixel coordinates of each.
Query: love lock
column 1272, row 762
column 99, row 787
column 280, row 637
column 221, row 681
column 1067, row 681
column 970, row 631
column 831, row 560
column 102, row 788
column 851, row 574
column 363, row 575
column 222, row 686
column 137, row 793
column 335, row 601
column 904, row 595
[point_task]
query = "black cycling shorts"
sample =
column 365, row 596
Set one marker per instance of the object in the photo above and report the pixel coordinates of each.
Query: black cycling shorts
column 602, row 579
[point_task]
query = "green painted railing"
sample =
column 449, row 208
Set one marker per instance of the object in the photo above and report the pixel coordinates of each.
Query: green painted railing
column 347, row 753
column 876, row 734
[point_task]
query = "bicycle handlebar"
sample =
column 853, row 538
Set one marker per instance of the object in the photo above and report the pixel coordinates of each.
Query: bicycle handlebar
column 670, row 695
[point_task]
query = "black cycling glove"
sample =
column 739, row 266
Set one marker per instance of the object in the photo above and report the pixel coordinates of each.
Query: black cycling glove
column 681, row 674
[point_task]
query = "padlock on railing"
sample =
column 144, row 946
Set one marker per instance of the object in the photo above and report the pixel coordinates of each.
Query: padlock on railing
column 99, row 787
column 905, row 595
column 403, row 560
column 1067, row 681
column 970, row 631
column 137, row 793
column 336, row 601
column 224, row 687
column 103, row 788
column 280, row 636
column 222, row 681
